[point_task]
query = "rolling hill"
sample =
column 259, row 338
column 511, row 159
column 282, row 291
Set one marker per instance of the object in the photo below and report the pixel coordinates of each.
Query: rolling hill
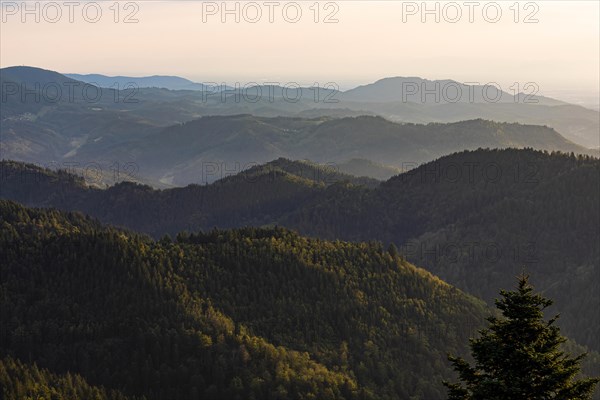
column 184, row 153
column 476, row 219
column 466, row 217
column 250, row 313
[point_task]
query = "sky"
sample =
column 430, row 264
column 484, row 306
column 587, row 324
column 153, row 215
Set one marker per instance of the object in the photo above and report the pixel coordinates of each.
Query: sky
column 552, row 43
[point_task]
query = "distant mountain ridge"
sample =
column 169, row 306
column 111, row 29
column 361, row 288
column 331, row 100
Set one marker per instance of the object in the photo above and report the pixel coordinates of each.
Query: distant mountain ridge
column 391, row 89
column 155, row 81
column 193, row 130
column 32, row 75
column 420, row 90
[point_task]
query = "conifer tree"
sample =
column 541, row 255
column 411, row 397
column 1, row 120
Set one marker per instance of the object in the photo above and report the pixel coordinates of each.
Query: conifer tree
column 518, row 357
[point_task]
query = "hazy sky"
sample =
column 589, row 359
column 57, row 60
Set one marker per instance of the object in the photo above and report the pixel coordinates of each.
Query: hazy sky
column 371, row 40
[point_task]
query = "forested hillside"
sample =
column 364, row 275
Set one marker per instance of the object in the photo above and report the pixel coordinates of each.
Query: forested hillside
column 250, row 313
column 257, row 196
column 28, row 382
column 476, row 219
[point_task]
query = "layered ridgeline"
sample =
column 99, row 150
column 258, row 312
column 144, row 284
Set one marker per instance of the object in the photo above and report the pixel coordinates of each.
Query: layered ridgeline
column 259, row 196
column 50, row 118
column 473, row 218
column 187, row 152
column 414, row 99
column 250, row 313
column 400, row 99
column 47, row 117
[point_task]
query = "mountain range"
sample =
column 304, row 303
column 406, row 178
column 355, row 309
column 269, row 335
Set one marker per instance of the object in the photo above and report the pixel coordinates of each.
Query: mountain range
column 164, row 136
column 171, row 240
column 96, row 124
column 466, row 217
